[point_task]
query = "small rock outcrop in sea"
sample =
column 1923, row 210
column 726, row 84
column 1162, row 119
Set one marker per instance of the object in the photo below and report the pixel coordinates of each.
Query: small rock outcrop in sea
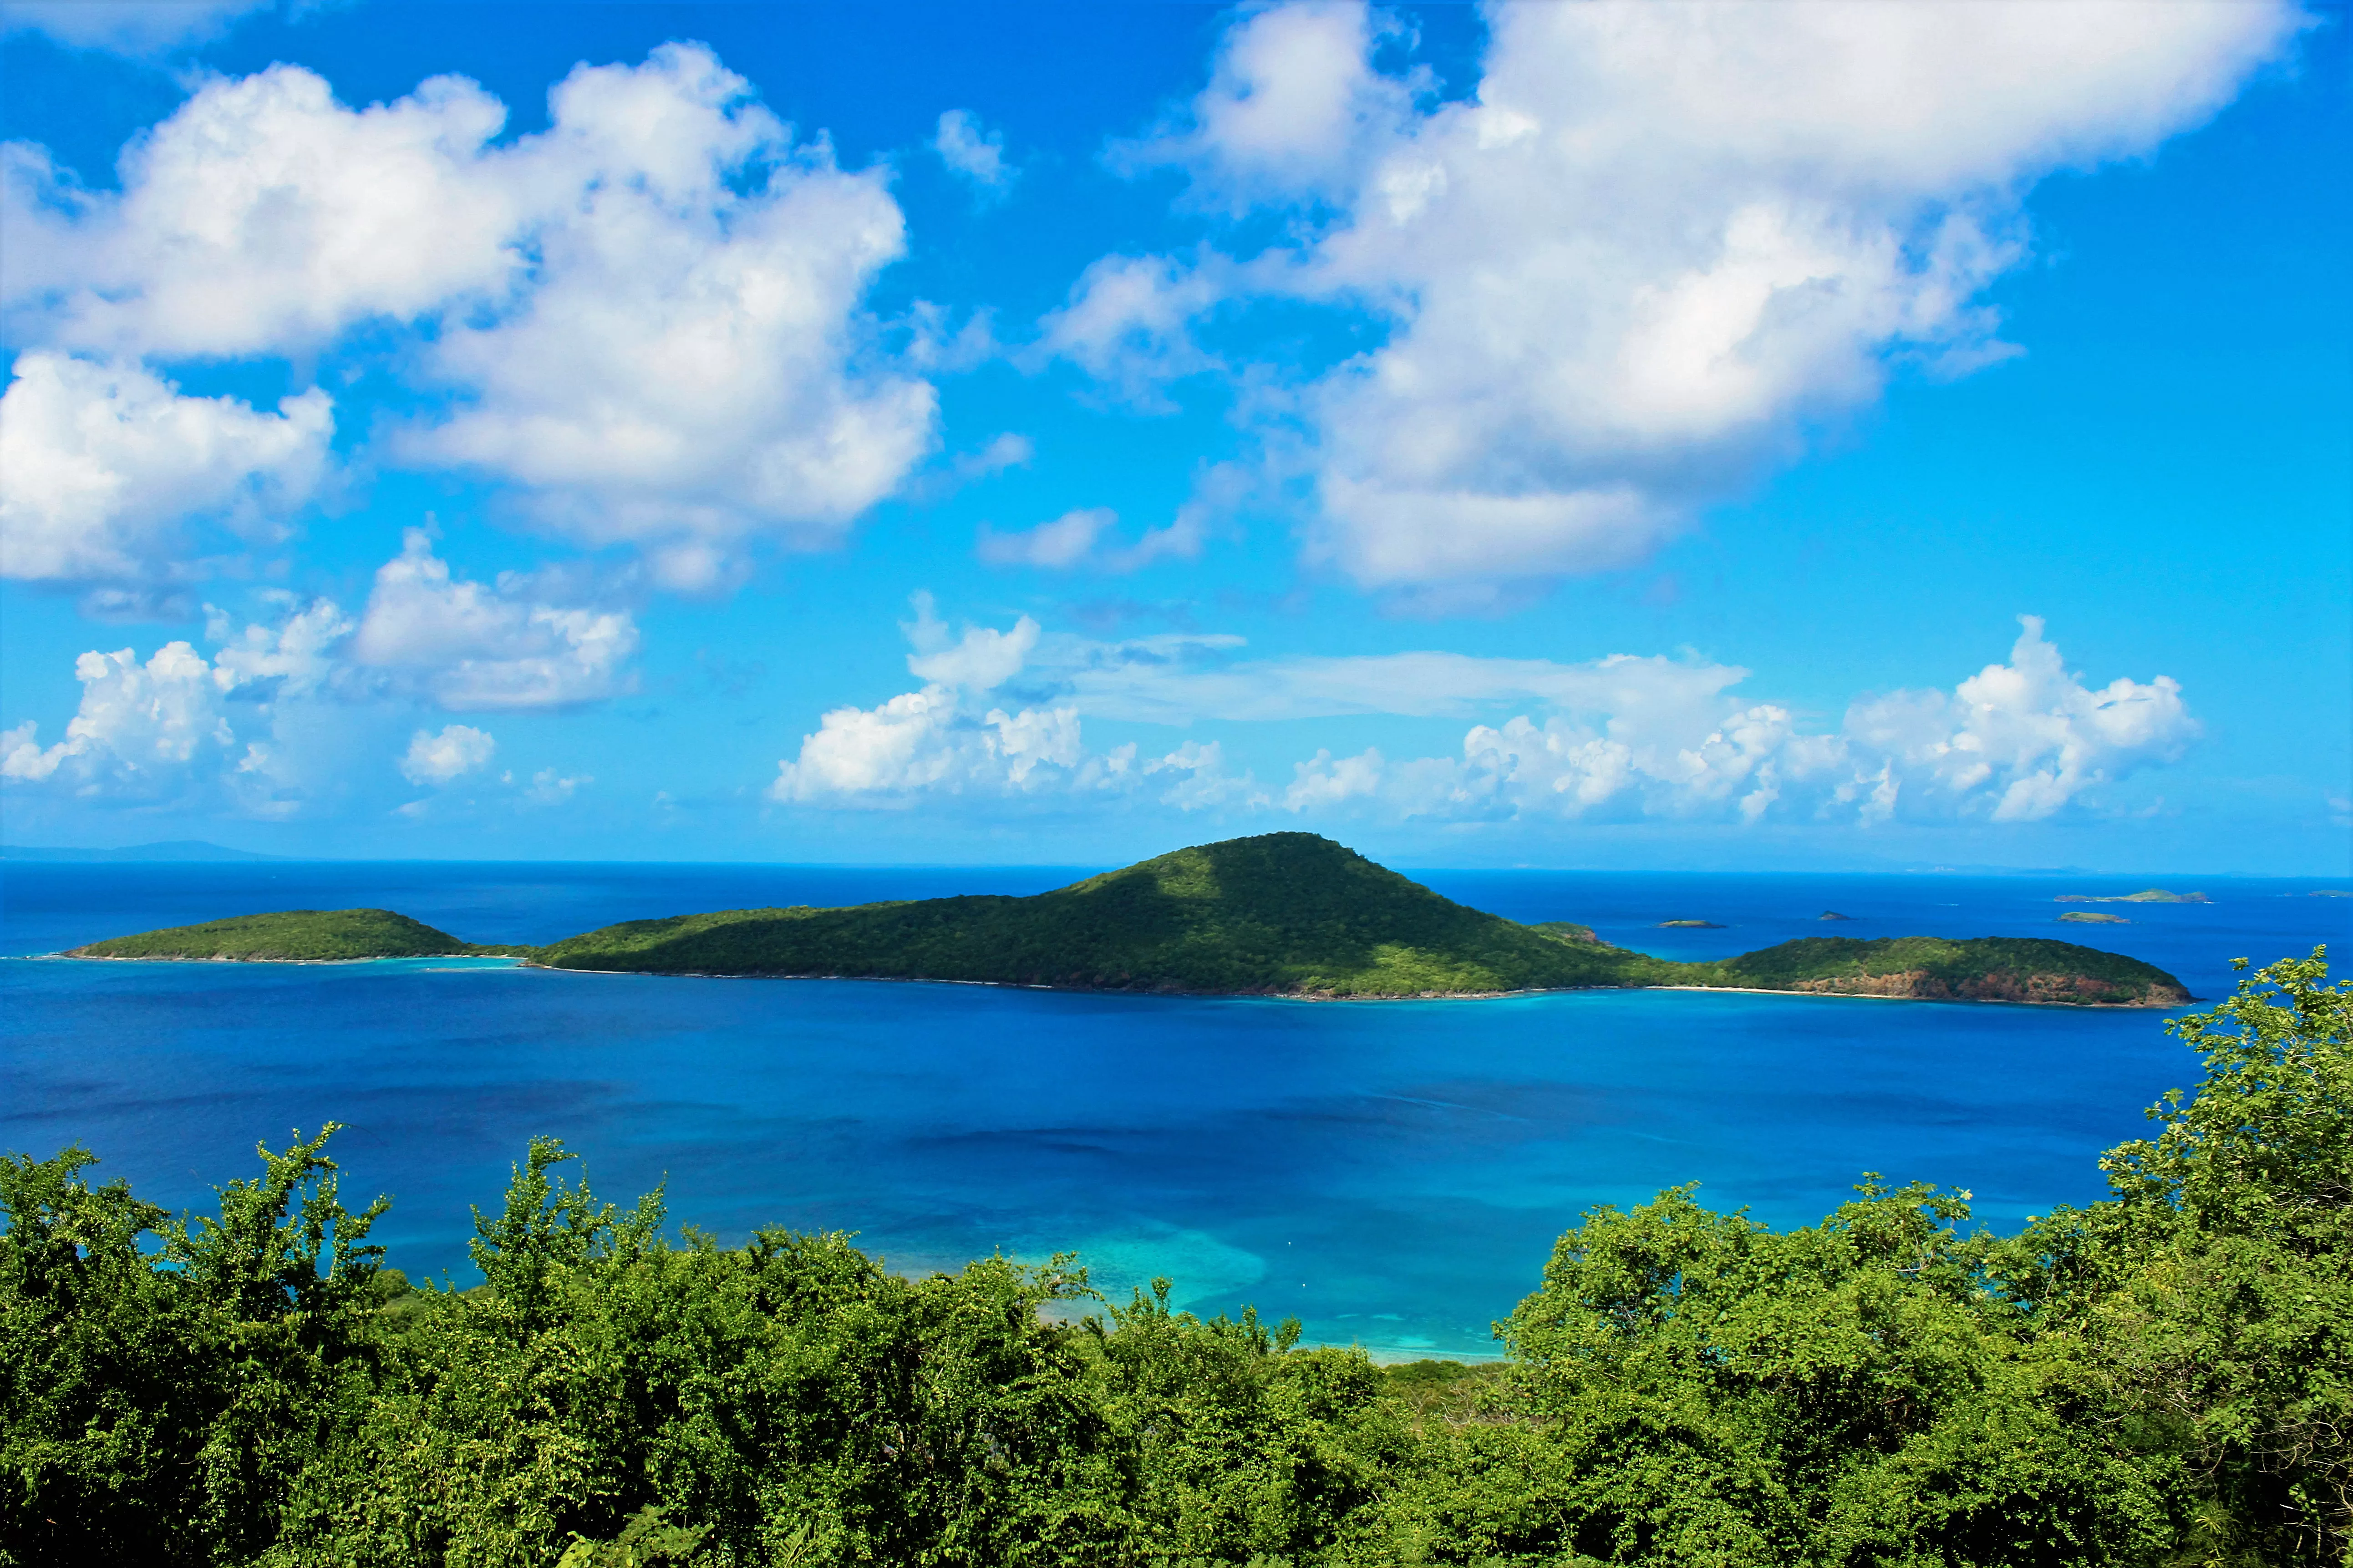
column 1689, row 925
column 1833, row 915
column 2090, row 918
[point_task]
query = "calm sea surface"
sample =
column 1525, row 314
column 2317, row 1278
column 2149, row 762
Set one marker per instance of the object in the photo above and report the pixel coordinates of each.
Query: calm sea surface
column 1393, row 1173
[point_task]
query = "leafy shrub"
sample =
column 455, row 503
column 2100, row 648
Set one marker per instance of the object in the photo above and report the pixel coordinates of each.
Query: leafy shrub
column 2159, row 1379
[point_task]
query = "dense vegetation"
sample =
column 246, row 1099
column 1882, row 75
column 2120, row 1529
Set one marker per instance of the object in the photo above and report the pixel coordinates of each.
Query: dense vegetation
column 1282, row 914
column 294, row 935
column 1986, row 968
column 2165, row 1377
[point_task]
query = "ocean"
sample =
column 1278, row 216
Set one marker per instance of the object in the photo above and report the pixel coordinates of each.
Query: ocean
column 1392, row 1173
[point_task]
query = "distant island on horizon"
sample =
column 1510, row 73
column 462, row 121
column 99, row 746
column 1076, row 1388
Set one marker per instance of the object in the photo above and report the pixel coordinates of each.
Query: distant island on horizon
column 170, row 850
column 2145, row 896
column 1280, row 914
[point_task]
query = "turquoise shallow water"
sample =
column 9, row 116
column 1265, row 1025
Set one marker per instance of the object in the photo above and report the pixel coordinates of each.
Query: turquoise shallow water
column 1394, row 1174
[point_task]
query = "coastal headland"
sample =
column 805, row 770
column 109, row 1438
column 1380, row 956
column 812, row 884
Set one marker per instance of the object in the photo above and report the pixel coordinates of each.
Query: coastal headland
column 1280, row 914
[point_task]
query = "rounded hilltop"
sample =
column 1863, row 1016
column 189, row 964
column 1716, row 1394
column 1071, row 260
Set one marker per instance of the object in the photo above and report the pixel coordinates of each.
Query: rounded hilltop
column 291, row 936
column 1280, row 914
column 1941, row 969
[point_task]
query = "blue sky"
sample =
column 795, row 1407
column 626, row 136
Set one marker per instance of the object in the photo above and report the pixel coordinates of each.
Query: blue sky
column 1608, row 435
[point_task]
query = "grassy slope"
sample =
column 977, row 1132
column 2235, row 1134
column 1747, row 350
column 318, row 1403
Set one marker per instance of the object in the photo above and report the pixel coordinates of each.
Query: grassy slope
column 291, row 934
column 1285, row 912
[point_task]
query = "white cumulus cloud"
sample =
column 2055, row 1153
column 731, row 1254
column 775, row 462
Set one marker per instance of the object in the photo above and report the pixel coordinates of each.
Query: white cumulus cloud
column 1657, row 246
column 438, row 758
column 950, row 738
column 2027, row 736
column 268, row 723
column 649, row 317
column 1291, row 106
column 179, row 728
column 137, row 720
column 1621, row 738
column 685, row 369
column 930, row 740
column 105, row 464
column 263, row 216
column 972, row 152
column 939, row 737
column 2016, row 742
column 1130, row 323
column 479, row 646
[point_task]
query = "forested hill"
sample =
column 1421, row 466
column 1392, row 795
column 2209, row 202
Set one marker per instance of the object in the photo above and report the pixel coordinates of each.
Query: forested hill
column 1928, row 968
column 294, row 936
column 1288, row 914
column 1284, row 914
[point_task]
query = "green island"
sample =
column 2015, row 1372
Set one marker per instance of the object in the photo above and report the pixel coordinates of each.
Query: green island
column 296, row 936
column 2094, row 918
column 2157, row 1379
column 1282, row 914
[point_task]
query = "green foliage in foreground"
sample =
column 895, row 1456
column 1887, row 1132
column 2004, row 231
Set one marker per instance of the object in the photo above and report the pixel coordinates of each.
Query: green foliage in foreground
column 294, row 935
column 2161, row 1379
column 1282, row 912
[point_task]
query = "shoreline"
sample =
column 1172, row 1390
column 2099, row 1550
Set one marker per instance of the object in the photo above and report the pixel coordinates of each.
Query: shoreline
column 221, row 958
column 1969, row 1001
column 519, row 962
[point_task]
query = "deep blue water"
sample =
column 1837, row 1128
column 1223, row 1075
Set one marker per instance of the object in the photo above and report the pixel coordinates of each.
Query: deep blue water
column 1394, row 1174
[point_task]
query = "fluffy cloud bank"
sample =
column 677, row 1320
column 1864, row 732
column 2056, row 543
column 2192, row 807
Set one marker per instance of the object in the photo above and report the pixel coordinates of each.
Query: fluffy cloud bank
column 939, row 737
column 179, row 728
column 951, row 737
column 2015, row 743
column 267, row 725
column 478, row 647
column 105, row 462
column 1617, row 738
column 649, row 316
column 1658, row 244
